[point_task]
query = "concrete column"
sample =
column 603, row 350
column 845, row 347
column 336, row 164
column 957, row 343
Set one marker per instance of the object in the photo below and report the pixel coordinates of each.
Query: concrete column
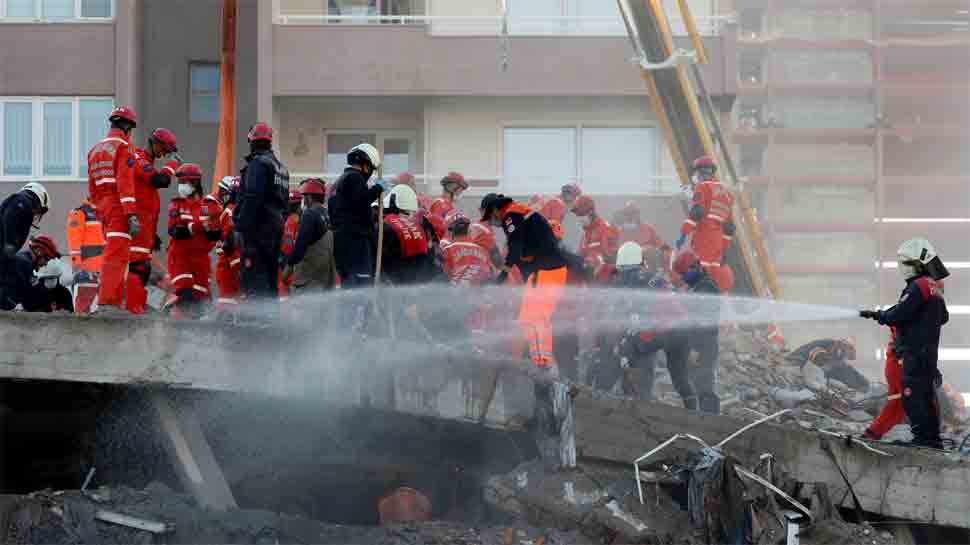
column 128, row 58
column 264, row 83
column 189, row 452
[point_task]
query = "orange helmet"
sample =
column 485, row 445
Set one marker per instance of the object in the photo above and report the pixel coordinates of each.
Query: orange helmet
column 584, row 206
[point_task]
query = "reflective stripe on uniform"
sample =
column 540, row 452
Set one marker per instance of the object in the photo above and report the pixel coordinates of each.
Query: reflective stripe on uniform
column 86, row 285
column 709, row 264
column 725, row 237
column 690, row 222
column 715, row 217
column 234, row 262
column 114, row 139
column 127, row 199
column 181, row 277
column 227, row 301
column 199, row 288
column 115, row 234
column 75, row 252
column 140, row 249
column 187, row 216
column 103, row 181
column 894, row 397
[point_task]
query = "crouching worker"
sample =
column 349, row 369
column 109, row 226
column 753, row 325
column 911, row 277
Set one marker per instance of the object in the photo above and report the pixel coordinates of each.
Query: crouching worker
column 19, row 274
column 51, row 290
column 188, row 251
column 654, row 326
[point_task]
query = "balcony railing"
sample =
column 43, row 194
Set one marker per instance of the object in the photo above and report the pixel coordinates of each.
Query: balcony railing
column 497, row 25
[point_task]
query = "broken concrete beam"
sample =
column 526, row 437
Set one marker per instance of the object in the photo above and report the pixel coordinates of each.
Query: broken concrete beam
column 912, row 484
column 190, row 454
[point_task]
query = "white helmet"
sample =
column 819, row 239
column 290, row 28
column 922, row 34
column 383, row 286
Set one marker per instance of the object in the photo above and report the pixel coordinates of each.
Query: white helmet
column 53, row 272
column 629, row 255
column 404, row 198
column 40, row 192
column 917, row 256
column 370, row 151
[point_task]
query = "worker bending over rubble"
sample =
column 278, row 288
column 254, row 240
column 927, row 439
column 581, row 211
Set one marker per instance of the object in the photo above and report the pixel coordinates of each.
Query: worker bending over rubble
column 652, row 329
column 18, row 214
column 704, row 310
column 833, row 357
column 918, row 318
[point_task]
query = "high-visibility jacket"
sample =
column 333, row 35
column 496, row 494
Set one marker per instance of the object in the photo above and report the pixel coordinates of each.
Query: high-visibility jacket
column 110, row 179
column 709, row 223
column 600, row 243
column 466, row 263
column 441, row 206
column 85, row 238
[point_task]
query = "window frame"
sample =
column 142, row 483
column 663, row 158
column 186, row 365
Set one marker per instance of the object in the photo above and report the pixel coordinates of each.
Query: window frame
column 192, row 93
column 38, row 14
column 578, row 128
column 380, row 135
column 37, row 137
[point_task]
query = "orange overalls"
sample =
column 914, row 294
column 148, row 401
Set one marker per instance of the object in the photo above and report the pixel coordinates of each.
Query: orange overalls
column 188, row 259
column 85, row 239
column 112, row 189
column 710, row 225
column 892, row 413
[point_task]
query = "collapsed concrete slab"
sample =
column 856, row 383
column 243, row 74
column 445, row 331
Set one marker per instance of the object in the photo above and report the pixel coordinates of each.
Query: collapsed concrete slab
column 911, row 484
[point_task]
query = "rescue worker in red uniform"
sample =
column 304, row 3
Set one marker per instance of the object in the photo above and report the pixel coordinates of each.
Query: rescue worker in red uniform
column 709, row 228
column 452, row 186
column 111, row 185
column 600, row 240
column 632, row 228
column 534, row 249
column 918, row 318
column 227, row 253
column 148, row 180
column 85, row 240
column 892, row 413
column 192, row 233
column 468, row 265
column 554, row 209
column 290, row 229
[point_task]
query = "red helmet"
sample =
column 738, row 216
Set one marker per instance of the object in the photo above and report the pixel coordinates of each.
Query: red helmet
column 571, row 192
column 685, row 261
column 44, row 245
column 454, row 178
column 260, row 131
column 405, row 178
column 313, row 186
column 584, row 206
column 705, row 162
column 123, row 113
column 189, row 172
column 557, row 229
column 164, row 138
column 295, row 196
column 630, row 212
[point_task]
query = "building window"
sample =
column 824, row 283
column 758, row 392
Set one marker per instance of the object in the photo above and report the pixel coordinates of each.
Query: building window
column 398, row 150
column 604, row 160
column 56, row 11
column 204, row 91
column 48, row 138
column 597, row 17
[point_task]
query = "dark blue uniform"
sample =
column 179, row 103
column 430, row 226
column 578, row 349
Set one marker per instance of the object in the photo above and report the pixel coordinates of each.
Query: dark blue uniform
column 20, row 273
column 704, row 339
column 258, row 217
column 16, row 219
column 918, row 317
column 354, row 234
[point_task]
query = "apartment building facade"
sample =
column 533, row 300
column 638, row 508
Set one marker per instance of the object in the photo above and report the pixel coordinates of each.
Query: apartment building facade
column 521, row 100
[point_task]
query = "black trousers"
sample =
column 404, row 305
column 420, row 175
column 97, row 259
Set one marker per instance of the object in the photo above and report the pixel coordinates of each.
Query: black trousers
column 644, row 357
column 920, row 402
column 259, row 274
column 705, row 343
column 353, row 255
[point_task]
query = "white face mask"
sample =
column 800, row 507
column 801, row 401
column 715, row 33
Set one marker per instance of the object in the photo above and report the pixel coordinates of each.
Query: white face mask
column 186, row 190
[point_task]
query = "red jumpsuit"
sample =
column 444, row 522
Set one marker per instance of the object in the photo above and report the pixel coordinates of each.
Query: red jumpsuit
column 112, row 189
column 893, row 412
column 599, row 245
column 468, row 264
column 227, row 263
column 188, row 260
column 290, row 230
column 441, row 206
column 709, row 224
column 553, row 209
column 148, row 205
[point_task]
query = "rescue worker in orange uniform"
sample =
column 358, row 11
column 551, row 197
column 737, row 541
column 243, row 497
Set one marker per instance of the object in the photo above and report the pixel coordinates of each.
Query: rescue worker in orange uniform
column 290, row 229
column 192, row 233
column 452, row 186
column 554, row 209
column 85, row 240
column 468, row 265
column 600, row 240
column 534, row 249
column 709, row 228
column 111, row 185
column 148, row 181
column 227, row 253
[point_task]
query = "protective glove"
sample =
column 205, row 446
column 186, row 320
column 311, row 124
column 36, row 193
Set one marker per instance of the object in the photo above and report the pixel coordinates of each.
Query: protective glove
column 680, row 241
column 213, row 236
column 384, row 184
column 170, row 167
column 182, row 233
column 869, row 314
column 134, row 226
